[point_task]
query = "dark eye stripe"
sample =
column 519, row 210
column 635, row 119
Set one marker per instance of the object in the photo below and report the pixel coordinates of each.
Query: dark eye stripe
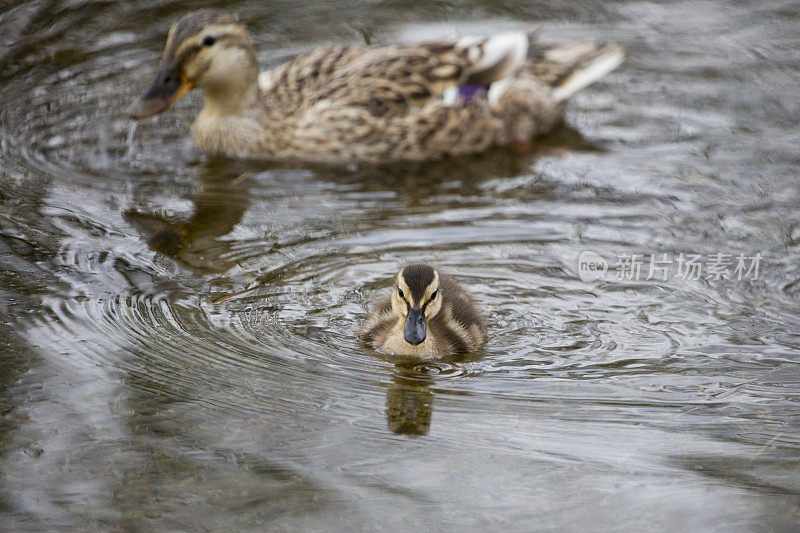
column 221, row 37
column 188, row 53
column 192, row 50
column 433, row 296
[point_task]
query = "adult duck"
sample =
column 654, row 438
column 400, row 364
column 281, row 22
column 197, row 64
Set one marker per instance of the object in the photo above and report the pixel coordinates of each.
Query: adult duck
column 376, row 103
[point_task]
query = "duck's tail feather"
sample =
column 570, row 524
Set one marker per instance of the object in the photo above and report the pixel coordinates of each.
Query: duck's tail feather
column 493, row 58
column 570, row 67
column 495, row 61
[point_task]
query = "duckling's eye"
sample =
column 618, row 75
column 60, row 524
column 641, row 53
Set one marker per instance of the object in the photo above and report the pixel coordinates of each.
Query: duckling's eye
column 434, row 294
column 400, row 292
column 208, row 41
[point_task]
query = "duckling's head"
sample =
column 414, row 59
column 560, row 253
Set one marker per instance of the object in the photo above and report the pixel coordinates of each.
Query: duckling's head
column 207, row 49
column 416, row 297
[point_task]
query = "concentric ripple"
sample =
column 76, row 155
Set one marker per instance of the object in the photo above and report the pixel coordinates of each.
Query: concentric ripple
column 188, row 324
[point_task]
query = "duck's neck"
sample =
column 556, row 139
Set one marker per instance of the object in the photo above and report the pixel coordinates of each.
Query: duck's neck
column 238, row 98
column 231, row 121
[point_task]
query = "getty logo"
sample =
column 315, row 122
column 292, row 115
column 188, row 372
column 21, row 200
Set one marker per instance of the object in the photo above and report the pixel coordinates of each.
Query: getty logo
column 591, row 266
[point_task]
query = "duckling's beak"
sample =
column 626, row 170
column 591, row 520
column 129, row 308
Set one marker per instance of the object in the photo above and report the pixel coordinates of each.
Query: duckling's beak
column 168, row 86
column 414, row 330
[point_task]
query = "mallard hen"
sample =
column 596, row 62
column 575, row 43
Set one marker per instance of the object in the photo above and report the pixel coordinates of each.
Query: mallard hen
column 377, row 103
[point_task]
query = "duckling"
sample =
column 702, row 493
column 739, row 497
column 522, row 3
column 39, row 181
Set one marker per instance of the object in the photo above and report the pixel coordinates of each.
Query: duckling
column 427, row 316
column 373, row 104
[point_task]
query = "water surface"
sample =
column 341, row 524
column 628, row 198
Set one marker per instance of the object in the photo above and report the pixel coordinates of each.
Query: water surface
column 178, row 331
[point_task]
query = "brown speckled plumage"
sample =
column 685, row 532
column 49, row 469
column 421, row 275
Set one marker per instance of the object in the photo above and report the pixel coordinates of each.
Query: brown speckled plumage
column 377, row 104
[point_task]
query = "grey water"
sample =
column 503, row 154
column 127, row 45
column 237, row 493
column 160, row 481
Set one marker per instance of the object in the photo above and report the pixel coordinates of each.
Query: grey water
column 178, row 332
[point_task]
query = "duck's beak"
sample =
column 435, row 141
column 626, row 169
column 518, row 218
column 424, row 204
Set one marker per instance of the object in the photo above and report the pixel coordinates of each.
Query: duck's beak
column 168, row 86
column 414, row 330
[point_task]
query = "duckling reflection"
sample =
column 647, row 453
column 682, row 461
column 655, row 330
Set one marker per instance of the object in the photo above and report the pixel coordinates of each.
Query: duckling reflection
column 220, row 204
column 427, row 316
column 409, row 403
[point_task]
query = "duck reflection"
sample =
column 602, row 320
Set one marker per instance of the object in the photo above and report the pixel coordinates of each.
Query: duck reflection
column 220, row 203
column 409, row 402
column 223, row 195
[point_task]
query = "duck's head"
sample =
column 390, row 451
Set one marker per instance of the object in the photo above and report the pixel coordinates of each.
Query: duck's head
column 416, row 297
column 206, row 49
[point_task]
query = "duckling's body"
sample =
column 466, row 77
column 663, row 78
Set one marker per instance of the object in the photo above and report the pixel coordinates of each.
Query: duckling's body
column 427, row 316
column 377, row 104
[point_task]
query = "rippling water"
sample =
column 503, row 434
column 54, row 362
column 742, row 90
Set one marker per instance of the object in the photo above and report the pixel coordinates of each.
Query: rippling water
column 179, row 331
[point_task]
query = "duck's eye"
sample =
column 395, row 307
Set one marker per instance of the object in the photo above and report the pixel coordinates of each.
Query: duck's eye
column 434, row 294
column 208, row 41
column 400, row 292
